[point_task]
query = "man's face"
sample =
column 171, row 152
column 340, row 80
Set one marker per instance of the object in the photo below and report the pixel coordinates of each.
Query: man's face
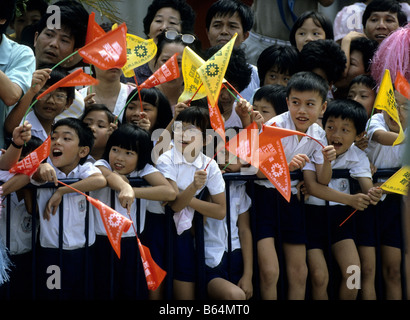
column 223, row 28
column 53, row 45
column 380, row 25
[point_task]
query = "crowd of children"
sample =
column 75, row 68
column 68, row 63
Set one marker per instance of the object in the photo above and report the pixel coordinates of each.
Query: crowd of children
column 263, row 247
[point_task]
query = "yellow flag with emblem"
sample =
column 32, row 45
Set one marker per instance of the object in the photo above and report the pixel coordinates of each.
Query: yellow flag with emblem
column 385, row 100
column 213, row 71
column 191, row 61
column 399, row 182
column 139, row 52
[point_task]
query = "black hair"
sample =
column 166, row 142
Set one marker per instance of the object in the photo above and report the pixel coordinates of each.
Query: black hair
column 275, row 94
column 318, row 18
column 84, row 133
column 74, row 18
column 31, row 5
column 365, row 79
column 57, row 74
column 98, row 107
column 326, row 55
column 239, row 72
column 347, row 109
column 155, row 97
column 197, row 116
column 131, row 137
column 391, row 6
column 229, row 8
column 284, row 58
column 367, row 47
column 185, row 10
column 7, row 11
column 308, row 81
column 31, row 145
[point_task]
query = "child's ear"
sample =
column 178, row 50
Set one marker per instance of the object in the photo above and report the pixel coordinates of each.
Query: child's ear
column 359, row 136
column 324, row 106
column 208, row 139
column 84, row 151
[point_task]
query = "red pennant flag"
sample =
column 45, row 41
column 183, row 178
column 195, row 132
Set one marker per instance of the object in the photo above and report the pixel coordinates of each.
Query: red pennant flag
column 108, row 51
column 402, row 85
column 217, row 122
column 94, row 31
column 153, row 273
column 167, row 72
column 115, row 223
column 76, row 78
column 31, row 162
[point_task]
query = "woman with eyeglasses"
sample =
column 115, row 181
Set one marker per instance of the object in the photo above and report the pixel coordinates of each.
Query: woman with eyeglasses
column 163, row 15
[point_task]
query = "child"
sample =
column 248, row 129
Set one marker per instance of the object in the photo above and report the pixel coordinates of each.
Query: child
column 270, row 101
column 157, row 110
column 20, row 232
column 344, row 122
column 127, row 155
column 101, row 121
column 45, row 110
column 223, row 284
column 382, row 132
column 184, row 167
column 306, row 99
column 71, row 142
column 310, row 26
column 276, row 64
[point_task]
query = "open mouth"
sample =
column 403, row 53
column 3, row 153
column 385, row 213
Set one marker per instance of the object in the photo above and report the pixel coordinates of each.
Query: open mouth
column 51, row 54
column 118, row 166
column 380, row 36
column 57, row 153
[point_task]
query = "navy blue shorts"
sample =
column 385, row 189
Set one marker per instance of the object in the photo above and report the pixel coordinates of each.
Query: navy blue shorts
column 291, row 219
column 184, row 256
column 366, row 227
column 230, row 268
column 266, row 212
column 389, row 221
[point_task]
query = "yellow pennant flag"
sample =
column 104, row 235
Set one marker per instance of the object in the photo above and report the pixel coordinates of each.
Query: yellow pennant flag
column 139, row 51
column 399, row 182
column 190, row 63
column 385, row 100
column 213, row 71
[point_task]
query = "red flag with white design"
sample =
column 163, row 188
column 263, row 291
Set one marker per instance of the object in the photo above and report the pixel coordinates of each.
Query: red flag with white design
column 76, row 78
column 114, row 223
column 94, row 31
column 216, row 120
column 167, row 72
column 108, row 51
column 29, row 164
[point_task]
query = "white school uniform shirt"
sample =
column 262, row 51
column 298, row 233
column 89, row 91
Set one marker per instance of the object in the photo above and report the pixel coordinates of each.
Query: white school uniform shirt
column 383, row 156
column 121, row 99
column 356, row 161
column 21, row 222
column 216, row 231
column 75, row 206
column 104, row 195
column 292, row 146
column 173, row 165
column 36, row 127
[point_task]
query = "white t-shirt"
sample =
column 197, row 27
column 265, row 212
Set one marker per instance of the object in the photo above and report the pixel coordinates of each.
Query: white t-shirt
column 216, row 231
column 74, row 212
column 353, row 159
column 292, row 146
column 104, row 195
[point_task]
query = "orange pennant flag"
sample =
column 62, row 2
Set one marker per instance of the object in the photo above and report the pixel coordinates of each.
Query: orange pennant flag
column 94, row 31
column 115, row 223
column 402, row 85
column 167, row 72
column 217, row 122
column 108, row 51
column 31, row 162
column 153, row 273
column 76, row 78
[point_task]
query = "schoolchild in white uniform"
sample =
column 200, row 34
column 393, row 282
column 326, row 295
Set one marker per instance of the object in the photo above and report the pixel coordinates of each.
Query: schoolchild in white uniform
column 229, row 269
column 184, row 167
column 127, row 155
column 306, row 94
column 71, row 141
column 344, row 122
column 382, row 133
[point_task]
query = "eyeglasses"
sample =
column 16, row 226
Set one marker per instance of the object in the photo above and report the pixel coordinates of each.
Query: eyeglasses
column 57, row 96
column 174, row 35
column 191, row 130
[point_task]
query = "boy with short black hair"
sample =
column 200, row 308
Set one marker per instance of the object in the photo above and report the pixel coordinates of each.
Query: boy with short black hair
column 71, row 142
column 306, row 99
column 344, row 122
